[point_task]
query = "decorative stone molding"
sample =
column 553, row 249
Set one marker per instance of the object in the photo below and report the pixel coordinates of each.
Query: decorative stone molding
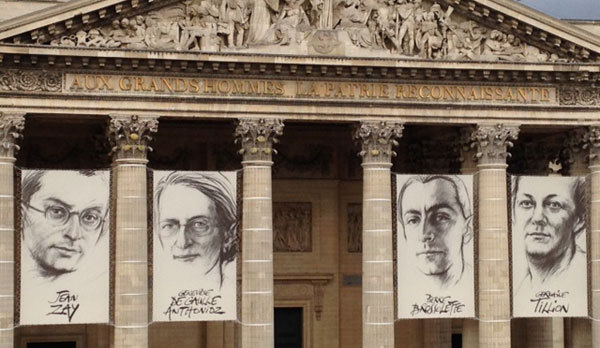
column 11, row 127
column 130, row 134
column 257, row 136
column 30, row 80
column 493, row 141
column 292, row 226
column 318, row 282
column 408, row 28
column 377, row 139
column 579, row 95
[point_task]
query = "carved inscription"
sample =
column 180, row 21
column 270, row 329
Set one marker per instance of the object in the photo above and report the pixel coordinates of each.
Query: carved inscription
column 292, row 226
column 429, row 93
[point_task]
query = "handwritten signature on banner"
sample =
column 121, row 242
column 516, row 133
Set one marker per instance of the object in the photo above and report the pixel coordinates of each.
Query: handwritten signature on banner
column 547, row 302
column 65, row 304
column 190, row 303
column 436, row 305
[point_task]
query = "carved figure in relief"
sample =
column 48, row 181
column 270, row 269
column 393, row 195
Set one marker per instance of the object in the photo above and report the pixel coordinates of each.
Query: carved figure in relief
column 291, row 25
column 406, row 23
column 234, row 16
column 260, row 21
column 199, row 29
column 402, row 27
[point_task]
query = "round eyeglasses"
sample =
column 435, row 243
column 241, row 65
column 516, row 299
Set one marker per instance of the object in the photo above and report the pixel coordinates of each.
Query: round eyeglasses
column 193, row 227
column 90, row 219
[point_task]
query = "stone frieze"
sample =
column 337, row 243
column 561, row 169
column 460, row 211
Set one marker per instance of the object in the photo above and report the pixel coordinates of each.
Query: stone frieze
column 377, row 28
column 577, row 95
column 30, row 80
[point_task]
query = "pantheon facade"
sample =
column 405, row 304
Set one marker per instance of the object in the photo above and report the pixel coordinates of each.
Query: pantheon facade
column 317, row 103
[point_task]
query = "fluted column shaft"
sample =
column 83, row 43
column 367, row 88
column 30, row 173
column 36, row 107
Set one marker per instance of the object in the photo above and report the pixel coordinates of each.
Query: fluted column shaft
column 377, row 139
column 592, row 144
column 470, row 327
column 11, row 126
column 130, row 135
column 257, row 137
column 578, row 331
column 492, row 142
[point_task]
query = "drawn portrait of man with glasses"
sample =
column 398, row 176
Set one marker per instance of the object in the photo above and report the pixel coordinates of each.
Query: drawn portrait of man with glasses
column 64, row 242
column 195, row 242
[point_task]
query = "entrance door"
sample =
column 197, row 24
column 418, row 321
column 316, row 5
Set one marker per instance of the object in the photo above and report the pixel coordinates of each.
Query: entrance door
column 288, row 327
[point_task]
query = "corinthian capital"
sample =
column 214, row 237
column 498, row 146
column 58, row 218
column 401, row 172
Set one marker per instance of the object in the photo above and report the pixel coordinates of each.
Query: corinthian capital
column 377, row 139
column 129, row 135
column 11, row 126
column 493, row 141
column 257, row 136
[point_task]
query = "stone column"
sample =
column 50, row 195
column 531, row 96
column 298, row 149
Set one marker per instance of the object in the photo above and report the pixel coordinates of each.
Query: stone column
column 492, row 142
column 470, row 328
column 377, row 139
column 578, row 331
column 11, row 126
column 130, row 136
column 257, row 137
column 591, row 143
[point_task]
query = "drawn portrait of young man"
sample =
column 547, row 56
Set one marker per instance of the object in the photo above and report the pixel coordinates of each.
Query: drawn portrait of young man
column 195, row 242
column 548, row 229
column 65, row 245
column 435, row 232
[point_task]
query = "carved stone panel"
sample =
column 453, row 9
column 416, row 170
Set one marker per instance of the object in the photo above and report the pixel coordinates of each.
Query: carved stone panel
column 378, row 28
column 292, row 226
column 354, row 223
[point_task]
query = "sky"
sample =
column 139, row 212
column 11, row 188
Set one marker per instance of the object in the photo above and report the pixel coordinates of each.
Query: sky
column 567, row 9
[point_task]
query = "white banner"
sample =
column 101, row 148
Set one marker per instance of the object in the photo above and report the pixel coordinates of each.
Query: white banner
column 195, row 246
column 435, row 246
column 64, row 247
column 549, row 246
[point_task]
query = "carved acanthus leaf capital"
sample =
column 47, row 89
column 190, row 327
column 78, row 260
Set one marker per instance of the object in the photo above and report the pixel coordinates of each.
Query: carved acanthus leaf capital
column 377, row 139
column 129, row 135
column 11, row 127
column 492, row 142
column 257, row 136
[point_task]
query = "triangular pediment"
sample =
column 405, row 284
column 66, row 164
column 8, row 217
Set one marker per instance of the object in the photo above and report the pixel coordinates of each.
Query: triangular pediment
column 452, row 30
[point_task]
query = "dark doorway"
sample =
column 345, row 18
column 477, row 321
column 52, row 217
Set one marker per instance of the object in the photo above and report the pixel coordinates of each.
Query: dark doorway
column 288, row 327
column 66, row 344
column 456, row 340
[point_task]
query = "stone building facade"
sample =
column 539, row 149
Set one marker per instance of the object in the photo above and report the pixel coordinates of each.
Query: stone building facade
column 325, row 98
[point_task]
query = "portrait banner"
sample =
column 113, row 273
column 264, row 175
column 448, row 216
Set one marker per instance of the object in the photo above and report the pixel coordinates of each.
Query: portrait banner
column 434, row 219
column 549, row 246
column 64, row 247
column 194, row 246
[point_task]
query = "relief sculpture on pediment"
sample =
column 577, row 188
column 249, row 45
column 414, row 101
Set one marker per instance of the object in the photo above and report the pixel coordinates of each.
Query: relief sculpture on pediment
column 376, row 28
